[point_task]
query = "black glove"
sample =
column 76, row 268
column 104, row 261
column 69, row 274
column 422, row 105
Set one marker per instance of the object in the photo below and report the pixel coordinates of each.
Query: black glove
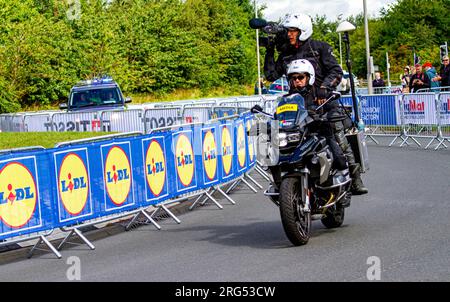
column 323, row 93
column 256, row 109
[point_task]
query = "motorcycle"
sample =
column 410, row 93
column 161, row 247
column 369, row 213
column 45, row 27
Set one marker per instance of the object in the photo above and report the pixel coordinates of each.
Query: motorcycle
column 311, row 189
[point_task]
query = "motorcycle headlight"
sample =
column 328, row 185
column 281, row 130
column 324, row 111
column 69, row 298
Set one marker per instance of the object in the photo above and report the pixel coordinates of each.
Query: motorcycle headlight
column 282, row 139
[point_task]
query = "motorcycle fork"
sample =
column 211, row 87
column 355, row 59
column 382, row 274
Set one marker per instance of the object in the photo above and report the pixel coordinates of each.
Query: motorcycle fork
column 305, row 190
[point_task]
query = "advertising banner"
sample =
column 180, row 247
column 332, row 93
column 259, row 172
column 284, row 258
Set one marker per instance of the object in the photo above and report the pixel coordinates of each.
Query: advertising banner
column 251, row 140
column 241, row 145
column 419, row 109
column 184, row 159
column 444, row 102
column 117, row 167
column 210, row 158
column 226, row 150
column 155, row 167
column 25, row 203
column 72, row 176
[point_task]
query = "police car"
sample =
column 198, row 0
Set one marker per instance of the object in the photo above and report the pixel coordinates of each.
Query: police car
column 95, row 94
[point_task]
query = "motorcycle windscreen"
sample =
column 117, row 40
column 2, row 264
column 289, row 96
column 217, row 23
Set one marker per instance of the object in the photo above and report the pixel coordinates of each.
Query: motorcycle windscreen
column 291, row 110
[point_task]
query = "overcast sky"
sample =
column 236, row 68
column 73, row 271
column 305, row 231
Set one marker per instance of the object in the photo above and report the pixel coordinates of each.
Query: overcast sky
column 330, row 8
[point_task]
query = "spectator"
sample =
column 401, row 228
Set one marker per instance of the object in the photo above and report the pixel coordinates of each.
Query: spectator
column 431, row 74
column 444, row 75
column 406, row 78
column 378, row 83
column 419, row 80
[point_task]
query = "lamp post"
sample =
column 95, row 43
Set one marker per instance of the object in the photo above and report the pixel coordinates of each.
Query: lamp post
column 257, row 53
column 345, row 27
column 339, row 18
column 366, row 33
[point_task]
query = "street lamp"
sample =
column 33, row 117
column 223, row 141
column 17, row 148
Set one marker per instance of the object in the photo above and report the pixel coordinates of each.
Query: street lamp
column 345, row 27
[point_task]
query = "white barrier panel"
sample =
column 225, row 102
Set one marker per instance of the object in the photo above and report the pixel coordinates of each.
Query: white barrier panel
column 77, row 121
column 161, row 118
column 196, row 114
column 123, row 120
column 39, row 122
column 419, row 109
column 444, row 101
column 11, row 123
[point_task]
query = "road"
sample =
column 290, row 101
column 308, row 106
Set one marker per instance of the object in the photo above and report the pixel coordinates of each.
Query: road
column 401, row 227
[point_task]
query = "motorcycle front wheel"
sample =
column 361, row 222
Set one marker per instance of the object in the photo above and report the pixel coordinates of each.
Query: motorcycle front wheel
column 296, row 222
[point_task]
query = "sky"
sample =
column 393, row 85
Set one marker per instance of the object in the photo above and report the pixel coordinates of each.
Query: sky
column 330, row 8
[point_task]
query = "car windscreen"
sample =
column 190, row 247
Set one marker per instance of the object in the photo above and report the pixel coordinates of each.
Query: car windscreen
column 95, row 97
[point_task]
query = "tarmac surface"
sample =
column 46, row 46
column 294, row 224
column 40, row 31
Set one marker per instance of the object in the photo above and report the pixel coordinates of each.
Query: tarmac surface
column 397, row 232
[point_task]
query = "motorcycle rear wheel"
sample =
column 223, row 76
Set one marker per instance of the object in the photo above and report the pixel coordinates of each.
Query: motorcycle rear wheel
column 296, row 223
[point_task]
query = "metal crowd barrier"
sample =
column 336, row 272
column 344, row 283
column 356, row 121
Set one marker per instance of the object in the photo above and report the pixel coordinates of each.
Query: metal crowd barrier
column 73, row 185
column 136, row 118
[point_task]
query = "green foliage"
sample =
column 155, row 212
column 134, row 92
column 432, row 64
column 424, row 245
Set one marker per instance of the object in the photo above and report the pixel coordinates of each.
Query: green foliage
column 159, row 46
column 148, row 46
column 406, row 27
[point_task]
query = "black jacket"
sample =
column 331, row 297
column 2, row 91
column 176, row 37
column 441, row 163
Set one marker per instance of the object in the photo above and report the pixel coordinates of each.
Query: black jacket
column 414, row 85
column 445, row 75
column 328, row 71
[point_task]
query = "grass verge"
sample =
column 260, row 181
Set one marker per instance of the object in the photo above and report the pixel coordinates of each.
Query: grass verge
column 10, row 140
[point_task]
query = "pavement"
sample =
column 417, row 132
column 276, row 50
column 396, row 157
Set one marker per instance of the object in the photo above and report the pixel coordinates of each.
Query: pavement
column 397, row 232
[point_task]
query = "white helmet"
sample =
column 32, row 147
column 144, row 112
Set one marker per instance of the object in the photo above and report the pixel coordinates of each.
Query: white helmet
column 302, row 22
column 302, row 66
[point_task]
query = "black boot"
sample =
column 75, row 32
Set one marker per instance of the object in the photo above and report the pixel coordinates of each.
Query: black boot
column 358, row 187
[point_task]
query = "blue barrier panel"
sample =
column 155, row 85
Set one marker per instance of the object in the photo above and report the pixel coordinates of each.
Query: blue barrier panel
column 73, row 190
column 210, row 158
column 155, row 167
column 376, row 109
column 251, row 141
column 226, row 150
column 117, row 168
column 240, row 146
column 43, row 190
column 184, row 160
column 25, row 194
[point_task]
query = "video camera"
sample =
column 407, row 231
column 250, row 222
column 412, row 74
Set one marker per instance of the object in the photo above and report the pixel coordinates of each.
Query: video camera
column 276, row 33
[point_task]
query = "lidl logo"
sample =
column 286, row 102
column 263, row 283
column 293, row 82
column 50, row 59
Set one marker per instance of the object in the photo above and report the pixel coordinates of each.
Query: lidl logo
column 155, row 167
column 117, row 175
column 210, row 155
column 18, row 194
column 241, row 145
column 73, row 183
column 184, row 155
column 227, row 150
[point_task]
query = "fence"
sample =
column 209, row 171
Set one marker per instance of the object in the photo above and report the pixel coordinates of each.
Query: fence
column 143, row 117
column 94, row 180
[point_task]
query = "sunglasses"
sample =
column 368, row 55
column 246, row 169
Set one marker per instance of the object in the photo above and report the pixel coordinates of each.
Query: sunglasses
column 299, row 77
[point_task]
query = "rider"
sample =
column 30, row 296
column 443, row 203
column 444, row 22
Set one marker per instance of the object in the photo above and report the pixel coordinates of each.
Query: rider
column 328, row 74
column 301, row 77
